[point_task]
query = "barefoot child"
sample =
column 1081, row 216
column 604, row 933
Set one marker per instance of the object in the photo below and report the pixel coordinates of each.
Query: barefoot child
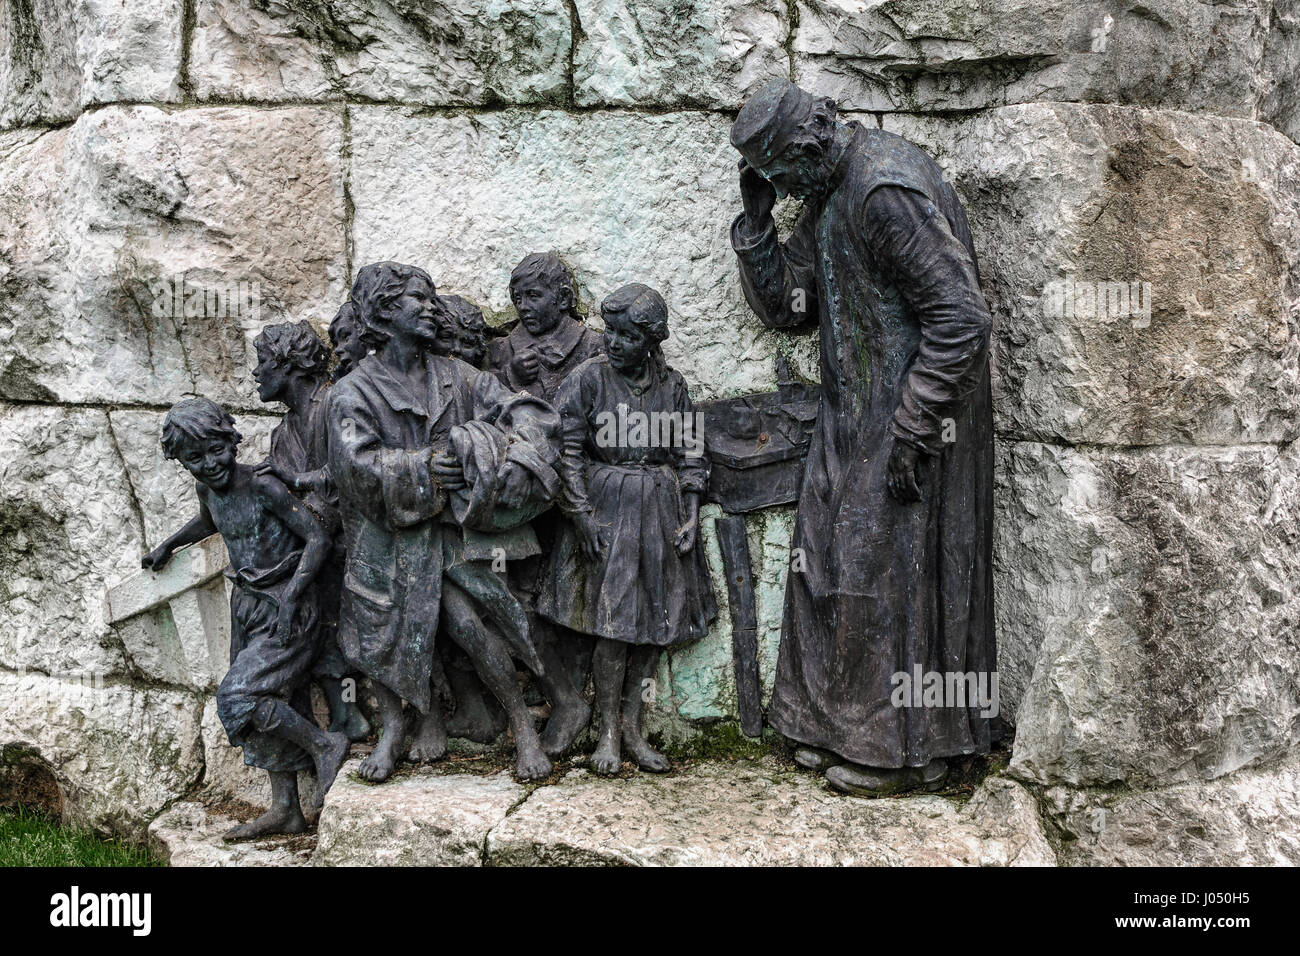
column 292, row 368
column 276, row 548
column 626, row 568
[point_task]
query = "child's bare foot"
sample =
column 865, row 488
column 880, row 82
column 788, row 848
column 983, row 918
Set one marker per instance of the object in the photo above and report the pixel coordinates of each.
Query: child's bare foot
column 530, row 760
column 646, row 757
column 277, row 820
column 608, row 758
column 564, row 725
column 379, row 766
column 353, row 725
column 476, row 724
column 327, row 767
column 430, row 741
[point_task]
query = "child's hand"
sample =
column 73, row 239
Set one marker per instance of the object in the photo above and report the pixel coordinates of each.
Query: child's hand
column 448, row 471
column 290, row 480
column 525, row 365
column 591, row 537
column 156, row 558
column 686, row 535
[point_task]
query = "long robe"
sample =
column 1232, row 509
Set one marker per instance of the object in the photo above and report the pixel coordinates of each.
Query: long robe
column 878, row 588
column 401, row 532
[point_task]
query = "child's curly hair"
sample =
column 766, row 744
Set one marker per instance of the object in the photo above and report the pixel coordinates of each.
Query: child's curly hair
column 196, row 420
column 295, row 344
column 375, row 288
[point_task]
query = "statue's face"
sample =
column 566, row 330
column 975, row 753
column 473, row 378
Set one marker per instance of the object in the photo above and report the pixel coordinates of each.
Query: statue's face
column 540, row 307
column 211, row 462
column 796, row 173
column 470, row 346
column 626, row 344
column 445, row 342
column 416, row 313
column 272, row 377
column 348, row 346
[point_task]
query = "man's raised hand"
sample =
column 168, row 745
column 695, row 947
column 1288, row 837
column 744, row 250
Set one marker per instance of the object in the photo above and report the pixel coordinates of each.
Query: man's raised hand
column 758, row 196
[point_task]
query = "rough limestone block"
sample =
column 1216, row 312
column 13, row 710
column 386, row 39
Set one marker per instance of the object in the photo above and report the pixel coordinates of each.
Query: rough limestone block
column 476, row 53
column 68, row 525
column 623, row 197
column 760, row 814
column 143, row 250
column 1202, row 209
column 1157, row 589
column 1235, row 59
column 710, row 53
column 57, row 57
column 120, row 753
column 1250, row 818
column 424, row 818
column 189, row 834
column 703, row 681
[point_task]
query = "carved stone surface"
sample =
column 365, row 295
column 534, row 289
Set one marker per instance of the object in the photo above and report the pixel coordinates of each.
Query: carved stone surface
column 57, row 57
column 1093, row 194
column 624, row 195
column 419, row 819
column 762, row 814
column 121, row 754
column 104, row 221
column 189, row 834
column 693, row 53
column 68, row 526
column 435, row 53
column 1164, row 582
column 1248, row 819
column 1237, row 60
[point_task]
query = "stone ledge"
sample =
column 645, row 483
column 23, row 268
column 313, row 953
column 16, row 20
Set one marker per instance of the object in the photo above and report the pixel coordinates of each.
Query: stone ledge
column 189, row 834
column 743, row 813
column 755, row 813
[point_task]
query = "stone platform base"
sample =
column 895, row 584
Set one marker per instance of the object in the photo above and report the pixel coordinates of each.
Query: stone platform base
column 758, row 813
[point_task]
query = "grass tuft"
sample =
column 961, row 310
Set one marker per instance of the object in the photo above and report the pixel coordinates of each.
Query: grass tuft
column 29, row 838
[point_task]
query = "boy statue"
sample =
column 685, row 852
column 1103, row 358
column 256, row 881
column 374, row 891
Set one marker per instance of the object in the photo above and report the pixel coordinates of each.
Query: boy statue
column 549, row 342
column 292, row 367
column 276, row 550
column 439, row 467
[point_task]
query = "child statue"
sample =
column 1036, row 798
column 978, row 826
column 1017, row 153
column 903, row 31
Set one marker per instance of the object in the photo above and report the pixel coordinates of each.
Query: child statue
column 626, row 568
column 276, row 550
column 549, row 342
column 345, row 338
column 467, row 332
column 439, row 468
column 292, row 367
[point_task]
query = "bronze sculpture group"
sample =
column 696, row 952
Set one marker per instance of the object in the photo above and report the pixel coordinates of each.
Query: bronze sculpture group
column 446, row 506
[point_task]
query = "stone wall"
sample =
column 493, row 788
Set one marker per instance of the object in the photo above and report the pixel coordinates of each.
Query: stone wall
column 1147, row 471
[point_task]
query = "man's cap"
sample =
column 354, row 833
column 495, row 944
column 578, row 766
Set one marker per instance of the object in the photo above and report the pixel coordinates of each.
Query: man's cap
column 763, row 128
